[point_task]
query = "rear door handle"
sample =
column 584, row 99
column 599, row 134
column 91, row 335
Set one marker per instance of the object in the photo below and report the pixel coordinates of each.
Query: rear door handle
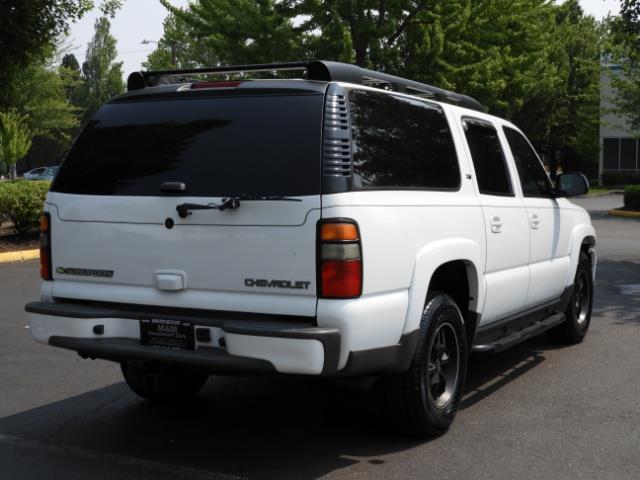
column 535, row 221
column 496, row 225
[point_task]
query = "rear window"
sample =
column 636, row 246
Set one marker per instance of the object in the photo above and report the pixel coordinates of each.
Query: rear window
column 402, row 143
column 219, row 146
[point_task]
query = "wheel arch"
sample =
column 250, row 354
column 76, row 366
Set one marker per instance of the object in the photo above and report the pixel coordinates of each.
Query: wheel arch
column 583, row 239
column 440, row 266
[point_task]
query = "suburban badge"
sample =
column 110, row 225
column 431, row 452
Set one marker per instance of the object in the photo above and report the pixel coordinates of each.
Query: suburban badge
column 84, row 272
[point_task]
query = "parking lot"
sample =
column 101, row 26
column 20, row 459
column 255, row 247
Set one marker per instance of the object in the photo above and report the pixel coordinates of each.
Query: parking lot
column 535, row 411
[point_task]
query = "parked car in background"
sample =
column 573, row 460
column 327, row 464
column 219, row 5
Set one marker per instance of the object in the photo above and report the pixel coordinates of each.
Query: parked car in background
column 49, row 173
column 35, row 174
column 41, row 173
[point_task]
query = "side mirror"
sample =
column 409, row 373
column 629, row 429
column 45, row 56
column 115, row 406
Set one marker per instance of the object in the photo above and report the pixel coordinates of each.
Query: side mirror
column 571, row 185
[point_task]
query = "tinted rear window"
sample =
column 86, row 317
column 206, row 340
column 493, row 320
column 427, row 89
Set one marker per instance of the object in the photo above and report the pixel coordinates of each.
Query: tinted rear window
column 400, row 142
column 217, row 146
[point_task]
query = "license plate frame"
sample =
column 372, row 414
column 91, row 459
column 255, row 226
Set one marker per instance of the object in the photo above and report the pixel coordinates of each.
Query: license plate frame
column 169, row 334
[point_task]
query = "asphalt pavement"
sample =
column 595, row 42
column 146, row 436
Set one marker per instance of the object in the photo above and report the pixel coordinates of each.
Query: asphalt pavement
column 536, row 411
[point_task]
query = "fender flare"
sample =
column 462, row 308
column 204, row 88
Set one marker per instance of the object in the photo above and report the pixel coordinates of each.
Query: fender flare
column 579, row 233
column 432, row 256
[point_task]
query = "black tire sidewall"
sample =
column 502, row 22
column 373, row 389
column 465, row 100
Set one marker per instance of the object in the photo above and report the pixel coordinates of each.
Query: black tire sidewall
column 576, row 331
column 439, row 309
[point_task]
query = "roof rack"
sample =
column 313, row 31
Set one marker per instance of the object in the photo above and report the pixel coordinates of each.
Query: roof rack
column 313, row 70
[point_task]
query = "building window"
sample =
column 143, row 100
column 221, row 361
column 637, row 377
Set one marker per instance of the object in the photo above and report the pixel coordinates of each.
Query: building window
column 620, row 154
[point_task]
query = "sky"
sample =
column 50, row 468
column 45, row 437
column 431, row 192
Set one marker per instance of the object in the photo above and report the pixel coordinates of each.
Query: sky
column 140, row 20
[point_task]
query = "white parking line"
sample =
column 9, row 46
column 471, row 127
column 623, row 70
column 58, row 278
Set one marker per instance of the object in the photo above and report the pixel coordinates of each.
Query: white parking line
column 115, row 459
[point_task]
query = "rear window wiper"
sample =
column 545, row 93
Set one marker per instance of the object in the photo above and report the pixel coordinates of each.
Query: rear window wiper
column 184, row 209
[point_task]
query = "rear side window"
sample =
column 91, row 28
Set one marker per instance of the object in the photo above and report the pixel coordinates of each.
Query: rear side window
column 488, row 158
column 533, row 178
column 218, row 146
column 401, row 143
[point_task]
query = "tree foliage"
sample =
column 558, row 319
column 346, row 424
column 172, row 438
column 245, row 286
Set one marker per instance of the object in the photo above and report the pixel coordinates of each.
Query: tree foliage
column 533, row 61
column 32, row 85
column 563, row 117
column 177, row 49
column 29, row 29
column 235, row 31
column 101, row 77
column 15, row 138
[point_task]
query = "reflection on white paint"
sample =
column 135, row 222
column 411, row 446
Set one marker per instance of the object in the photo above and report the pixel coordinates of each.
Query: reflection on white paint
column 630, row 289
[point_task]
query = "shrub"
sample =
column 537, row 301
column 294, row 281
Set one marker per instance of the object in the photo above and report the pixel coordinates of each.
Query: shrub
column 632, row 196
column 21, row 203
column 618, row 179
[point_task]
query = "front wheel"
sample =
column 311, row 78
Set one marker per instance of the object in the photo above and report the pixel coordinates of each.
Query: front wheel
column 160, row 382
column 424, row 401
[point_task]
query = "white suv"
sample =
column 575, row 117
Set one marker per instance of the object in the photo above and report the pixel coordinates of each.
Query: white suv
column 348, row 223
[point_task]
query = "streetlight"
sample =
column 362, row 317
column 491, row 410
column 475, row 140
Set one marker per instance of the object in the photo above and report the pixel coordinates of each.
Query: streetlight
column 172, row 46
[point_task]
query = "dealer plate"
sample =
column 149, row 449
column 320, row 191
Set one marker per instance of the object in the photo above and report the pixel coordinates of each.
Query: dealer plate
column 174, row 334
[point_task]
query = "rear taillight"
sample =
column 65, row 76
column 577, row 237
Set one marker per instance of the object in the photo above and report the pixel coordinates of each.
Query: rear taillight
column 339, row 259
column 45, row 246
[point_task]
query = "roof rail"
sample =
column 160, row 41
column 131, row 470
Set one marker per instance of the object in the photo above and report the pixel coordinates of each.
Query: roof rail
column 314, row 70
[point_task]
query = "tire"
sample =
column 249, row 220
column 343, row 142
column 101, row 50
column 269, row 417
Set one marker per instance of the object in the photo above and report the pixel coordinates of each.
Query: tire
column 411, row 405
column 159, row 382
column 578, row 312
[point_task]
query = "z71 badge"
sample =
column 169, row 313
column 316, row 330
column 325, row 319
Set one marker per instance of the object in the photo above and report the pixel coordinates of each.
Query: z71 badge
column 264, row 283
column 84, row 272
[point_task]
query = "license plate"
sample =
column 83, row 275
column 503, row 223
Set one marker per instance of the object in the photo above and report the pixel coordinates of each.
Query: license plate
column 174, row 334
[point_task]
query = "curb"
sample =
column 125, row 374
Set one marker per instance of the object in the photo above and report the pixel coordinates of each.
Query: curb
column 624, row 213
column 19, row 256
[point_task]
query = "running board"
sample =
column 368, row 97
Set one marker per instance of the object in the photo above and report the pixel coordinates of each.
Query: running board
column 521, row 335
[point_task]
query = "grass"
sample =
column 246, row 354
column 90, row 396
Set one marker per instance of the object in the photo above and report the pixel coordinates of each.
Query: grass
column 594, row 191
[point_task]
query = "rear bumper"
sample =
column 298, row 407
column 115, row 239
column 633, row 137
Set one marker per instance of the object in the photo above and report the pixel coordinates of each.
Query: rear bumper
column 250, row 346
column 258, row 345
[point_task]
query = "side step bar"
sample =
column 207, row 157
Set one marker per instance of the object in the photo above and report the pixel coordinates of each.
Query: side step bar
column 521, row 335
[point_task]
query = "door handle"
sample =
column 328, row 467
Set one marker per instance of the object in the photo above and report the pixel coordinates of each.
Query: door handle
column 535, row 221
column 496, row 225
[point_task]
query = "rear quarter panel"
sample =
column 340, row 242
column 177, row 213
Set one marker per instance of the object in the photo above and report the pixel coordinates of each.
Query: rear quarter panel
column 407, row 235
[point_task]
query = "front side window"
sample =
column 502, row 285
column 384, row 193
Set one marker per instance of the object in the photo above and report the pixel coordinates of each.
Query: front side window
column 533, row 178
column 488, row 158
column 400, row 142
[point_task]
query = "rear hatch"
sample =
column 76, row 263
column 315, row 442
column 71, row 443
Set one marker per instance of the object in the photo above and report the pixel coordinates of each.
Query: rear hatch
column 117, row 237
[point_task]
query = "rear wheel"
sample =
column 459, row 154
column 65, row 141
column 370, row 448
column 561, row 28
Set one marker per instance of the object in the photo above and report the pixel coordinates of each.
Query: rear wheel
column 424, row 400
column 161, row 382
column 578, row 312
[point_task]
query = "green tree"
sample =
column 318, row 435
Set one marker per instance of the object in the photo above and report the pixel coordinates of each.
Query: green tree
column 101, row 78
column 70, row 74
column 38, row 92
column 531, row 61
column 563, row 120
column 231, row 31
column 29, row 29
column 176, row 48
column 70, row 62
column 374, row 34
column 15, row 139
